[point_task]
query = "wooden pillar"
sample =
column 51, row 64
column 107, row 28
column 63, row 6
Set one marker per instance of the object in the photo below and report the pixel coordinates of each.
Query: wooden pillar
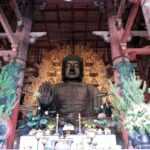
column 24, row 35
column 117, row 57
column 115, row 36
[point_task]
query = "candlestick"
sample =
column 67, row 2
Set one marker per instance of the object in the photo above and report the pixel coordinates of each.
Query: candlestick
column 57, row 121
column 79, row 118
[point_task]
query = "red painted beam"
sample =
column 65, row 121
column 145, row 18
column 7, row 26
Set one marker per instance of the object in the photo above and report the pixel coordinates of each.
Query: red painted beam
column 139, row 51
column 121, row 8
column 145, row 5
column 8, row 53
column 117, row 56
column 132, row 52
column 114, row 43
column 130, row 21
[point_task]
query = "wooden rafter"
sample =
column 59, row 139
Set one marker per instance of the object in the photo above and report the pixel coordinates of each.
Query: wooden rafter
column 63, row 21
column 86, row 26
column 145, row 4
column 59, row 23
column 46, row 29
column 130, row 22
column 121, row 8
column 7, row 53
column 69, row 9
column 15, row 7
column 100, row 44
column 58, row 17
column 8, row 30
column 32, row 34
column 138, row 51
column 72, row 27
column 106, row 35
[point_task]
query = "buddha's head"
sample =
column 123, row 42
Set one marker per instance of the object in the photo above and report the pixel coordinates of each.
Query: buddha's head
column 72, row 68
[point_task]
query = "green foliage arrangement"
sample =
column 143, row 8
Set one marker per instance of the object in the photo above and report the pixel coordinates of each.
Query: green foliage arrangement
column 138, row 118
column 37, row 122
column 8, row 84
column 125, row 68
column 128, row 99
column 128, row 94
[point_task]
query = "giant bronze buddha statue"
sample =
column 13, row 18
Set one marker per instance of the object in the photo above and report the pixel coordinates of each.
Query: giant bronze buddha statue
column 72, row 95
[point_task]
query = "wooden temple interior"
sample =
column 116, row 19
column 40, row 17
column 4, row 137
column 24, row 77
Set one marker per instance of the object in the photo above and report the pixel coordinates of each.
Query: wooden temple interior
column 39, row 34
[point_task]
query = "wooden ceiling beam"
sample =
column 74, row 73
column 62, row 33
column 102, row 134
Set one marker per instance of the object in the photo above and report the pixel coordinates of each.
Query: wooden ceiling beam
column 15, row 7
column 86, row 26
column 99, row 26
column 132, row 52
column 63, row 21
column 121, row 8
column 76, row 39
column 90, row 42
column 130, row 22
column 72, row 29
column 106, row 35
column 59, row 23
column 46, row 29
column 32, row 34
column 145, row 4
column 67, row 41
column 8, row 30
column 7, row 53
column 70, row 9
column 58, row 17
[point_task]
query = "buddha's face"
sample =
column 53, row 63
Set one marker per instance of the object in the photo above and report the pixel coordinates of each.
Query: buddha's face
column 72, row 70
